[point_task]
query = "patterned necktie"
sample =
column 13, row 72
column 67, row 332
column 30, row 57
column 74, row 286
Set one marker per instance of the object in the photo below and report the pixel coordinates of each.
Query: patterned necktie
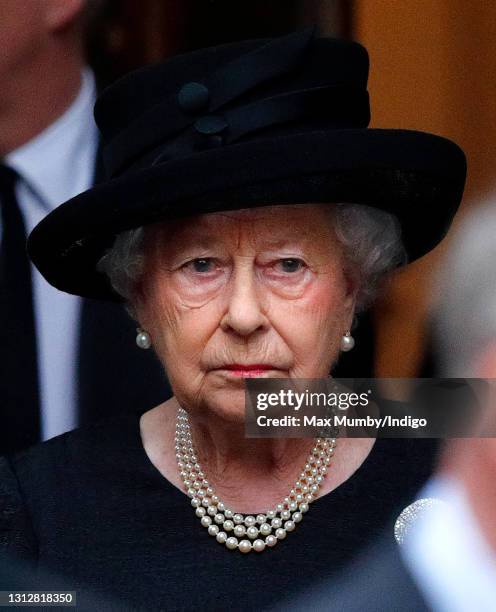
column 19, row 399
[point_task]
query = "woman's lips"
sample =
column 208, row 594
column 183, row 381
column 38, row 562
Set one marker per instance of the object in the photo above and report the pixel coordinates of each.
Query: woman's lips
column 246, row 371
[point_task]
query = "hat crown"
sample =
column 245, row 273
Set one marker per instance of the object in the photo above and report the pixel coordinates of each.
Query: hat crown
column 256, row 123
column 302, row 80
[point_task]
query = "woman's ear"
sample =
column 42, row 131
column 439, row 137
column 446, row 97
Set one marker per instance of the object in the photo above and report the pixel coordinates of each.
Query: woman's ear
column 351, row 293
column 137, row 304
column 350, row 301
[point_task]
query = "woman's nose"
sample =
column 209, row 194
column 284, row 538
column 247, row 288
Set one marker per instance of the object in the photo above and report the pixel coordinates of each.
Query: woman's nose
column 244, row 313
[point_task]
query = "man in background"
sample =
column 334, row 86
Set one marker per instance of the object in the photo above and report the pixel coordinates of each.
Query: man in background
column 54, row 372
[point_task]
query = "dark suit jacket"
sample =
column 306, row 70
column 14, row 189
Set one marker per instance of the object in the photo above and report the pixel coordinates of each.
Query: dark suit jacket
column 377, row 582
column 114, row 375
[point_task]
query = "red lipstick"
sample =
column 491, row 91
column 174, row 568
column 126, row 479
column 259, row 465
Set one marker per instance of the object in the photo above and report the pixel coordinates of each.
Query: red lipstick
column 247, row 370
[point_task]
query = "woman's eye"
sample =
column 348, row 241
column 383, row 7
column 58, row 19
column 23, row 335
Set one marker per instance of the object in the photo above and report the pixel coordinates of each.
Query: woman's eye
column 200, row 265
column 204, row 264
column 291, row 265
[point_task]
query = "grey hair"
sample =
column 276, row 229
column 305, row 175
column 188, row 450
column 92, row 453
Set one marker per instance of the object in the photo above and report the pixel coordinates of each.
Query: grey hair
column 371, row 239
column 372, row 244
column 124, row 264
column 465, row 316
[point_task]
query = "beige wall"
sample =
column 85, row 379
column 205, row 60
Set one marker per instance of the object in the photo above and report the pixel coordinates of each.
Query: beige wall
column 433, row 68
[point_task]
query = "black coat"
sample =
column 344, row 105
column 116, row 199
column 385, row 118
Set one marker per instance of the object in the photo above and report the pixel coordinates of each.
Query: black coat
column 378, row 581
column 90, row 507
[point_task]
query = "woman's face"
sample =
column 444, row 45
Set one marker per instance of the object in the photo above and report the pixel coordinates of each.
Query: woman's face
column 258, row 292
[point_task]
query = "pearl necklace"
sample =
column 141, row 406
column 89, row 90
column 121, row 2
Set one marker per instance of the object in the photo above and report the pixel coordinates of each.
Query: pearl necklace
column 220, row 520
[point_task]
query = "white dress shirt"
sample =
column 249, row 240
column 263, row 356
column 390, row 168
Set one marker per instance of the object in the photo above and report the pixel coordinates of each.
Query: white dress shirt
column 54, row 166
column 447, row 555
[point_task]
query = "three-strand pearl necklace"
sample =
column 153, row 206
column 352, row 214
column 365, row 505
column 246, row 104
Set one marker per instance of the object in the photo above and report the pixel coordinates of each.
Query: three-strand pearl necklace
column 248, row 532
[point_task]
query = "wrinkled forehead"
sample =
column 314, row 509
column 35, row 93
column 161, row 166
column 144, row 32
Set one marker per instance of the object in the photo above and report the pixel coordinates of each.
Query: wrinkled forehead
column 302, row 224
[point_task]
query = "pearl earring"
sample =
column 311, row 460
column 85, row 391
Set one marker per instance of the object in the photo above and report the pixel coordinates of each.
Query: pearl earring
column 143, row 339
column 347, row 342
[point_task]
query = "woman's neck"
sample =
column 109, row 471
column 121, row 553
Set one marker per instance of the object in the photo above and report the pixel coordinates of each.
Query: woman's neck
column 248, row 474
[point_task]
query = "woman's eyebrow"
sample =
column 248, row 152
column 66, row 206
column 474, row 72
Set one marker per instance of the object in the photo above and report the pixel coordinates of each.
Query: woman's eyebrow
column 278, row 243
column 210, row 241
column 196, row 241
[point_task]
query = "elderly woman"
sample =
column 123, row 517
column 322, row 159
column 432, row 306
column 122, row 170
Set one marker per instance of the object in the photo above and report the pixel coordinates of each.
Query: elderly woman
column 248, row 216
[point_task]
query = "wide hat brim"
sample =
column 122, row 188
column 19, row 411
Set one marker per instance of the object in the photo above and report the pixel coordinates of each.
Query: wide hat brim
column 418, row 177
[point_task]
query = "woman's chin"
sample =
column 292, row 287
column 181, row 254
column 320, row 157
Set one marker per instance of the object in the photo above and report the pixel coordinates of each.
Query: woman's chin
column 228, row 404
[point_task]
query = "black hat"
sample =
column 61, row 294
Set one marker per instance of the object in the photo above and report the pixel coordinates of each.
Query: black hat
column 252, row 123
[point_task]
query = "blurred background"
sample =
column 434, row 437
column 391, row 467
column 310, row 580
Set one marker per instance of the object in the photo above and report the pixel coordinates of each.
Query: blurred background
column 432, row 68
